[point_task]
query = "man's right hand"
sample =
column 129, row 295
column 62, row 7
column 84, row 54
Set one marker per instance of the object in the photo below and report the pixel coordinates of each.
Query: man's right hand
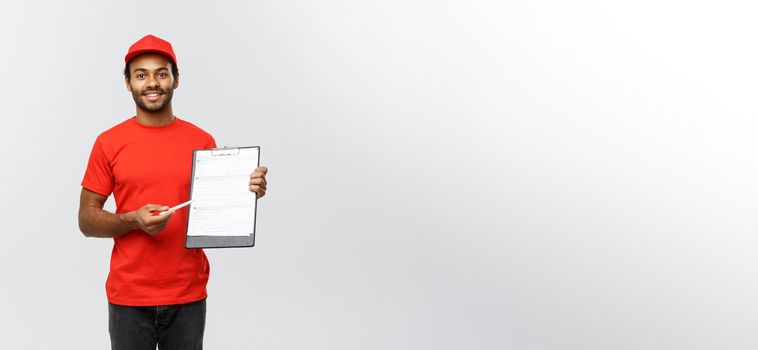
column 146, row 219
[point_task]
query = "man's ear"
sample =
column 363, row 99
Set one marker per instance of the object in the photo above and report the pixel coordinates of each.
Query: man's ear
column 176, row 81
column 128, row 86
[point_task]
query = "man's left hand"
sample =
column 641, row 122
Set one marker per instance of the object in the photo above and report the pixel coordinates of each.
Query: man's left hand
column 258, row 181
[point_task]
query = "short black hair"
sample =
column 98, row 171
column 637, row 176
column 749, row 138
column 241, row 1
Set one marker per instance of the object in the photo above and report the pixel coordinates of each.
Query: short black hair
column 174, row 70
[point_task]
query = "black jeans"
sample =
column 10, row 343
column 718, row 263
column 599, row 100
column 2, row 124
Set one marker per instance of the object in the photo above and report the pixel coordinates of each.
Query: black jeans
column 169, row 327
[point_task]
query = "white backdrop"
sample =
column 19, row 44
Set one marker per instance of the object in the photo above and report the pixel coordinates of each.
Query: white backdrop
column 443, row 174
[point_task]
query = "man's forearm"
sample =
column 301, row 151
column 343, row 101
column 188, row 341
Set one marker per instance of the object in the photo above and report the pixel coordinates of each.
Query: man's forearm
column 96, row 222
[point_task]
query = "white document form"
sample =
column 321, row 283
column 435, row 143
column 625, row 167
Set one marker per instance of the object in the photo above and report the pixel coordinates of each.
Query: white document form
column 222, row 204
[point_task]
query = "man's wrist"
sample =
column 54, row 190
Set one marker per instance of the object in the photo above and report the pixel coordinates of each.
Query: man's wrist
column 129, row 220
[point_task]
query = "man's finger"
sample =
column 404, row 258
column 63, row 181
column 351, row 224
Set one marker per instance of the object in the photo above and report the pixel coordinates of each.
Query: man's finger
column 261, row 191
column 166, row 216
column 155, row 228
column 256, row 188
column 157, row 218
column 258, row 181
column 158, row 207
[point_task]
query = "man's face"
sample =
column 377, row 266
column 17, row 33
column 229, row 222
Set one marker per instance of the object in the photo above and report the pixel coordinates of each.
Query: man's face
column 152, row 84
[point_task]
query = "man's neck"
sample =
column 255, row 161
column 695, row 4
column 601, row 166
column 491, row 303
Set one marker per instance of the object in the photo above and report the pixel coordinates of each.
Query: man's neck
column 164, row 117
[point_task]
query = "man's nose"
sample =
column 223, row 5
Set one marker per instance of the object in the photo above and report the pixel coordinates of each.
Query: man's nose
column 151, row 81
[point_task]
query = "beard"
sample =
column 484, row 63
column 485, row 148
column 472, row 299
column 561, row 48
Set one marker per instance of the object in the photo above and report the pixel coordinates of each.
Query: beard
column 153, row 106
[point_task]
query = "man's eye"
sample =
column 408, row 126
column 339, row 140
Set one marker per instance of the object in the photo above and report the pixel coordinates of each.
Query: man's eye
column 140, row 76
column 162, row 75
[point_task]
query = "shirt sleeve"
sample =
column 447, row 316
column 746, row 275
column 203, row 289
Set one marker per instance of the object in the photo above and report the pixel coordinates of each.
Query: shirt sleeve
column 98, row 177
column 211, row 142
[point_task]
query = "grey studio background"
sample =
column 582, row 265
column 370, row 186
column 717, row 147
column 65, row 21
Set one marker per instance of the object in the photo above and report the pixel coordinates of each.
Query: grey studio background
column 444, row 174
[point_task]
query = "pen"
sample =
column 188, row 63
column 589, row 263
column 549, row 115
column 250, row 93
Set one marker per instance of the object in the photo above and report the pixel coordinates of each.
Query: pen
column 180, row 206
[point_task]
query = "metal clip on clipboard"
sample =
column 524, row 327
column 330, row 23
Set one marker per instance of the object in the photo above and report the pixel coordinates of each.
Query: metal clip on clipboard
column 225, row 151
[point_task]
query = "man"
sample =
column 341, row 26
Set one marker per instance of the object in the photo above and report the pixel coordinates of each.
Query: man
column 156, row 288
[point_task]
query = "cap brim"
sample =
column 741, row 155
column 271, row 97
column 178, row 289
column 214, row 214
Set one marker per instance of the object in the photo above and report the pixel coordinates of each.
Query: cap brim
column 129, row 57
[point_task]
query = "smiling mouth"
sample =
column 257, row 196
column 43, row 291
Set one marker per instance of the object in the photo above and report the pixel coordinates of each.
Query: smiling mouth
column 153, row 96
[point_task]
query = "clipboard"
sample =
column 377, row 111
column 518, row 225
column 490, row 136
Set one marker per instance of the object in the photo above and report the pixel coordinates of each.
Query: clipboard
column 221, row 214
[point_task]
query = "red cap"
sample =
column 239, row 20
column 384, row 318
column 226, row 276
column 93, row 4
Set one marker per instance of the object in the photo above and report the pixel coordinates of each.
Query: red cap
column 150, row 43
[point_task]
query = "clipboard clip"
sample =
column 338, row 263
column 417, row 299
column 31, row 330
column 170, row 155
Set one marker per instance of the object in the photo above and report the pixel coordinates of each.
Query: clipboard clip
column 225, row 151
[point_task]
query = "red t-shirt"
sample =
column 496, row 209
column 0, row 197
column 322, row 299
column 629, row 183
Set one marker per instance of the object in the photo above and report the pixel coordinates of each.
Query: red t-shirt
column 142, row 165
